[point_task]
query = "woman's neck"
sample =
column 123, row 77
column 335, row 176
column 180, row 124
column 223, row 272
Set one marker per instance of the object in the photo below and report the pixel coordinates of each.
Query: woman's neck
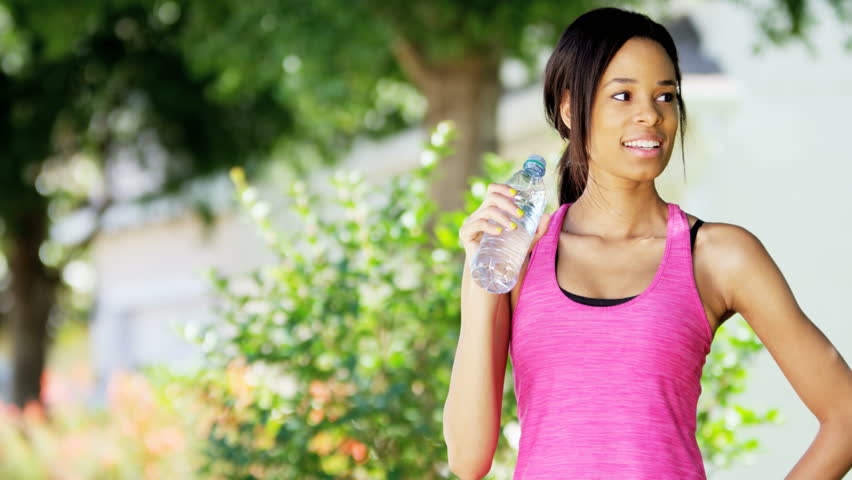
column 618, row 213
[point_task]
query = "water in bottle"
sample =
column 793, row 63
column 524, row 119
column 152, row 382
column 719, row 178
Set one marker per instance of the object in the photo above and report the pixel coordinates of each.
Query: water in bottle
column 497, row 263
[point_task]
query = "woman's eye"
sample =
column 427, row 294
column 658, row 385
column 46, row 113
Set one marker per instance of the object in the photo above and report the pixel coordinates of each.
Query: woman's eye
column 626, row 94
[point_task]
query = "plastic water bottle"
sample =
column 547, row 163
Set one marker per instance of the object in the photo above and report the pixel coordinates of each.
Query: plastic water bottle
column 497, row 263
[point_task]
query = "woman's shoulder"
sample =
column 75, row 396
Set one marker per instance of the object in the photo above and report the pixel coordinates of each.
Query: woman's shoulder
column 725, row 247
column 722, row 252
column 722, row 235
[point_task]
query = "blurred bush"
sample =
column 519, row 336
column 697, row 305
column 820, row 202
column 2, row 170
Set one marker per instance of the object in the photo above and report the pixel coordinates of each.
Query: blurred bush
column 140, row 434
column 721, row 419
column 334, row 361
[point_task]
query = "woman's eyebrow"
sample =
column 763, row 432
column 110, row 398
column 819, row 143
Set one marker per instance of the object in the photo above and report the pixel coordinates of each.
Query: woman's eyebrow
column 633, row 80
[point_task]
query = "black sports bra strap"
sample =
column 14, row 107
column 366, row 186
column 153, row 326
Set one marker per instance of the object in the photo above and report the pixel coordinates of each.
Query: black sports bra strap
column 693, row 231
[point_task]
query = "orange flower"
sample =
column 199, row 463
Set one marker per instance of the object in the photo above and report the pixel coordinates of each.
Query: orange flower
column 73, row 446
column 346, row 445
column 320, row 391
column 237, row 384
column 356, row 449
column 9, row 410
column 130, row 392
column 316, row 415
column 165, row 441
column 343, row 389
column 359, row 452
column 34, row 412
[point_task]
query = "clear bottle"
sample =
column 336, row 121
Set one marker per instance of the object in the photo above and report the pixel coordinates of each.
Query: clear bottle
column 497, row 262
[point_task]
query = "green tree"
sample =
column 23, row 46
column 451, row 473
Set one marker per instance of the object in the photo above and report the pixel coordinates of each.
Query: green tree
column 84, row 84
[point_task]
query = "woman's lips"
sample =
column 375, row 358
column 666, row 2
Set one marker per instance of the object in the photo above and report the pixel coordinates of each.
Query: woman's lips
column 644, row 152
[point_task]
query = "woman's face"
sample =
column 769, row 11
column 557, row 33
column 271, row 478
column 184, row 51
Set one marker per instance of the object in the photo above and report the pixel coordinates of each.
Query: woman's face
column 635, row 99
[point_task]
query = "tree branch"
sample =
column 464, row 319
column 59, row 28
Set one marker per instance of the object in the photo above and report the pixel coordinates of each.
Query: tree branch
column 412, row 63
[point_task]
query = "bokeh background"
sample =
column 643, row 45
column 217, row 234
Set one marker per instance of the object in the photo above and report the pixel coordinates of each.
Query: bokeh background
column 229, row 230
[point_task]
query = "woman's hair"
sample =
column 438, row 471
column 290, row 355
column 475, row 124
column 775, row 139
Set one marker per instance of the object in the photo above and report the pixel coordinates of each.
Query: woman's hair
column 577, row 64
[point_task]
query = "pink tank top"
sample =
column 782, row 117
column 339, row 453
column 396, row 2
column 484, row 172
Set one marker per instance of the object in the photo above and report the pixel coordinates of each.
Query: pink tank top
column 610, row 391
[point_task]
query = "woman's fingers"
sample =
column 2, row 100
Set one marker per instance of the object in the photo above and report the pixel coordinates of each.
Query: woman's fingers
column 483, row 225
column 497, row 213
column 501, row 195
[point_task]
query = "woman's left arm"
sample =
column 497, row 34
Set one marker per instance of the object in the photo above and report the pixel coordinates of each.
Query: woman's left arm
column 756, row 288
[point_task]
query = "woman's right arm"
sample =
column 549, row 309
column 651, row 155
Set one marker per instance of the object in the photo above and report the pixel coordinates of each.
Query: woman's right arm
column 475, row 399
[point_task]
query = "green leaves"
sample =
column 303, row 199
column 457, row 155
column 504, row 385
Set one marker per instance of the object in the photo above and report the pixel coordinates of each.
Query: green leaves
column 357, row 315
column 721, row 421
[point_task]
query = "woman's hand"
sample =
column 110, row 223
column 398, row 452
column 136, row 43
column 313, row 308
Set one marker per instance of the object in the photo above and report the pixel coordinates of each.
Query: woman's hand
column 498, row 200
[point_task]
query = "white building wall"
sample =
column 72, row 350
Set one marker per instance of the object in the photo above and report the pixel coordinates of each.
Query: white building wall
column 781, row 169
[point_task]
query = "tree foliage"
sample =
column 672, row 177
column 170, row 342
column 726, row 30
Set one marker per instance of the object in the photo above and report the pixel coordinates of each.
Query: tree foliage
column 86, row 89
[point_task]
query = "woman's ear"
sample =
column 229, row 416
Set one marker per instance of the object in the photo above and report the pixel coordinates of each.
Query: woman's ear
column 565, row 109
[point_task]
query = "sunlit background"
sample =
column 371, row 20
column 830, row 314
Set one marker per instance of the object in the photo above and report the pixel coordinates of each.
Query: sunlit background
column 230, row 229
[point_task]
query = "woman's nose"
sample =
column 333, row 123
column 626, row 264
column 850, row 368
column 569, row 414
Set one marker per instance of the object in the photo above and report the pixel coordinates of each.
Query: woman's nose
column 648, row 113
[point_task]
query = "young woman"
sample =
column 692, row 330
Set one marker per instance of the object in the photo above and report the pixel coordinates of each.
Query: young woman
column 620, row 295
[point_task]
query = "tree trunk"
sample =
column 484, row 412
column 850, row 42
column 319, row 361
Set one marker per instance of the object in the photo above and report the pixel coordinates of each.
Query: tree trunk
column 469, row 98
column 33, row 292
column 466, row 92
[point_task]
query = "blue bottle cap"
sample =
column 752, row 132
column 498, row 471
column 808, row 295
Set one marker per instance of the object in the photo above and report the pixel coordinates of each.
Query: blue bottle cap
column 535, row 165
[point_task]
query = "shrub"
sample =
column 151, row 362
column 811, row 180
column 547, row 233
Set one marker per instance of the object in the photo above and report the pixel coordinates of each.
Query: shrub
column 140, row 434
